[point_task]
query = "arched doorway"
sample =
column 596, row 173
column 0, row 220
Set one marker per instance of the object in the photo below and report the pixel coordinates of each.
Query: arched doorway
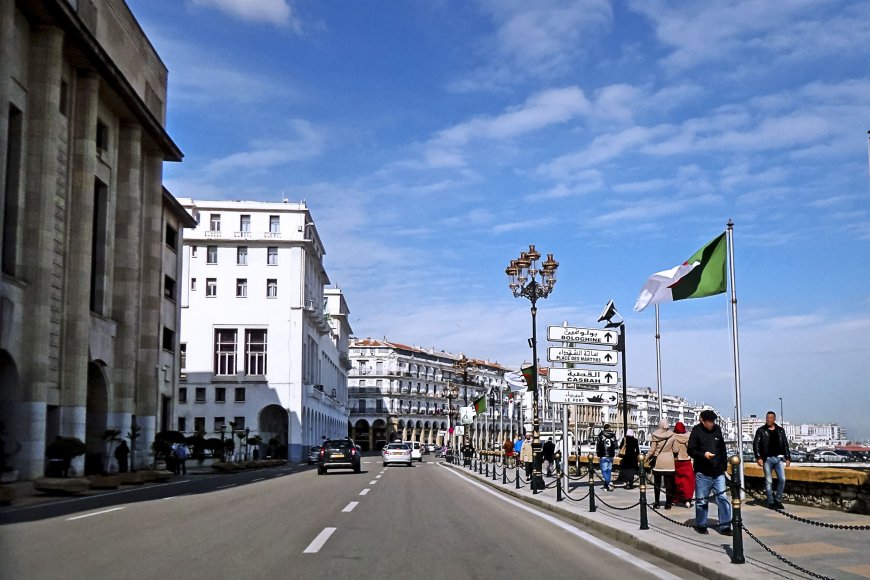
column 96, row 419
column 361, row 434
column 272, row 424
column 10, row 396
column 379, row 434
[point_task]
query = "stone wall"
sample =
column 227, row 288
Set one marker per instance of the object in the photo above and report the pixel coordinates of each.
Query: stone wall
column 833, row 488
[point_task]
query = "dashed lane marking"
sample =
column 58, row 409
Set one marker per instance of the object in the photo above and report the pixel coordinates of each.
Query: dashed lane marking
column 114, row 509
column 258, row 479
column 349, row 507
column 226, row 486
column 365, row 491
column 318, row 542
column 372, row 482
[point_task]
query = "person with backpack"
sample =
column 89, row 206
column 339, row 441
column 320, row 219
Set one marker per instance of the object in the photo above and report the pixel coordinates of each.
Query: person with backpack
column 605, row 448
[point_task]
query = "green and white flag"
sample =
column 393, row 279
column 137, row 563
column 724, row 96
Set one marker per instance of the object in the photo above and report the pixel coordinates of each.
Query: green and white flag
column 703, row 274
column 480, row 405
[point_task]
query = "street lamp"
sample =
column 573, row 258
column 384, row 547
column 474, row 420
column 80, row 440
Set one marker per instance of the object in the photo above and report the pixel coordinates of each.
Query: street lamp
column 523, row 276
column 463, row 365
column 450, row 392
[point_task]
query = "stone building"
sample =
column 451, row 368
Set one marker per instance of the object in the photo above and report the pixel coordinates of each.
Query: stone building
column 399, row 391
column 84, row 229
column 264, row 339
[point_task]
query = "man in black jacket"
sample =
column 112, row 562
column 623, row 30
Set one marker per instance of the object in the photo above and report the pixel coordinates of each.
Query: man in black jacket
column 707, row 448
column 771, row 450
column 548, row 452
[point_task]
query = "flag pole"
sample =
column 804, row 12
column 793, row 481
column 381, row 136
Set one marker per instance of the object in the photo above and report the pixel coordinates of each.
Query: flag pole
column 736, row 347
column 659, row 364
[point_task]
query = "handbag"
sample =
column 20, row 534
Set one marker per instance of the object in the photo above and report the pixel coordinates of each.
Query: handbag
column 651, row 461
column 622, row 450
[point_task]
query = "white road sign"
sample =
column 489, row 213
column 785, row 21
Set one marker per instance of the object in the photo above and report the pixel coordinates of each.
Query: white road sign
column 583, row 335
column 579, row 377
column 581, row 397
column 459, row 430
column 466, row 415
column 581, row 355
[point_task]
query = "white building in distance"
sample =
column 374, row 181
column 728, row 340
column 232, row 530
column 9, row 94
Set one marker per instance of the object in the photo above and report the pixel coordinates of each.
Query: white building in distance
column 264, row 343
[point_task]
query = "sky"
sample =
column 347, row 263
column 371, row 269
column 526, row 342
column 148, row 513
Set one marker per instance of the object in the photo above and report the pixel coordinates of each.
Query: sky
column 434, row 141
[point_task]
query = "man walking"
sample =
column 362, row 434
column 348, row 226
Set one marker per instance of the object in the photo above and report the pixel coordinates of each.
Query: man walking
column 527, row 456
column 605, row 448
column 549, row 452
column 771, row 450
column 707, row 448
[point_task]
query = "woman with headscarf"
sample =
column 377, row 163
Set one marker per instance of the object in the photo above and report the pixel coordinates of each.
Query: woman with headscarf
column 628, row 452
column 661, row 450
column 684, row 474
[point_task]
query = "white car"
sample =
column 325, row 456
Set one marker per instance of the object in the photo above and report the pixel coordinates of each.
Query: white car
column 397, row 453
column 416, row 450
column 830, row 457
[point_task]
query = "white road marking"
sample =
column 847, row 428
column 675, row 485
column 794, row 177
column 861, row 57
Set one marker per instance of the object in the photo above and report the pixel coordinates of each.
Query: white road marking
column 365, row 491
column 170, row 497
column 611, row 549
column 258, row 479
column 372, row 482
column 377, row 477
column 114, row 509
column 317, row 543
column 226, row 486
column 349, row 507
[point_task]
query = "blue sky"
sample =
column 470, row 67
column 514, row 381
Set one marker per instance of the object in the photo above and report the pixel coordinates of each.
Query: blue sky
column 433, row 141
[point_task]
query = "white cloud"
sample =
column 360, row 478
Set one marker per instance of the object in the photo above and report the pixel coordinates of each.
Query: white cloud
column 267, row 153
column 277, row 12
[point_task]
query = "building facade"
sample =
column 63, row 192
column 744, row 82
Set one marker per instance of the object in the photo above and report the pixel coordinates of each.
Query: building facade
column 264, row 342
column 82, row 115
column 400, row 392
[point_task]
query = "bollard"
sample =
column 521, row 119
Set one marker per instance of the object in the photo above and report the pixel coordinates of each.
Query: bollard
column 487, row 468
column 558, row 458
column 504, row 474
column 592, row 507
column 494, row 468
column 736, row 517
column 644, row 524
column 517, row 472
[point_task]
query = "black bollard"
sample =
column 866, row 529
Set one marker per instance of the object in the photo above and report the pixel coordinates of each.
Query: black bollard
column 487, row 468
column 517, row 473
column 592, row 507
column 504, row 474
column 494, row 468
column 558, row 458
column 644, row 524
column 736, row 517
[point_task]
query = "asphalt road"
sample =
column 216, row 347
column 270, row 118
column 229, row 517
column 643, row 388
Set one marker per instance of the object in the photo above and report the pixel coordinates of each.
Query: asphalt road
column 423, row 521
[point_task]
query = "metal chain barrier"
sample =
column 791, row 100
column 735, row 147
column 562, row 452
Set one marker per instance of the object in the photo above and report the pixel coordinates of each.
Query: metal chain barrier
column 783, row 559
column 805, row 520
column 569, row 498
column 673, row 521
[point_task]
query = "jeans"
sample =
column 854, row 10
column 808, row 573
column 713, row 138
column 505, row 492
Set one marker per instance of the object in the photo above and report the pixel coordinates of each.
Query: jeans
column 703, row 485
column 770, row 464
column 606, row 464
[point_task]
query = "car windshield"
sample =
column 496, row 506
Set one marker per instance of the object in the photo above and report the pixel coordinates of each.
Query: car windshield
column 398, row 446
column 314, row 448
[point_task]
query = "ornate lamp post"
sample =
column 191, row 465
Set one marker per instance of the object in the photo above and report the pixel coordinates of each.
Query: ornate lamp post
column 463, row 365
column 523, row 275
column 450, row 392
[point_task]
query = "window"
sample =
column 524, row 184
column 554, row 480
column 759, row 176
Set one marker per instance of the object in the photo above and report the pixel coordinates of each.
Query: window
column 218, row 423
column 240, row 423
column 168, row 339
column 271, row 288
column 242, row 255
column 225, row 351
column 362, row 405
column 220, row 395
column 379, row 404
column 362, row 382
column 240, row 394
column 215, row 222
column 169, row 288
column 63, row 104
column 241, row 287
column 182, row 395
column 199, row 424
column 272, row 256
column 211, row 255
column 182, row 424
column 182, row 355
column 102, row 138
column 255, row 351
column 379, row 367
column 192, row 251
column 193, row 284
column 12, row 225
column 274, row 224
column 211, row 287
column 171, row 237
column 200, row 395
column 245, row 223
column 99, row 247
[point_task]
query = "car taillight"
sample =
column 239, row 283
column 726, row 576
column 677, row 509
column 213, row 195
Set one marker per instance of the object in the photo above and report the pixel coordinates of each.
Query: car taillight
column 352, row 452
column 322, row 451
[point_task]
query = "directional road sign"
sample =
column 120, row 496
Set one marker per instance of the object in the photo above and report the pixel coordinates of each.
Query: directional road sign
column 581, row 397
column 583, row 335
column 578, row 377
column 581, row 355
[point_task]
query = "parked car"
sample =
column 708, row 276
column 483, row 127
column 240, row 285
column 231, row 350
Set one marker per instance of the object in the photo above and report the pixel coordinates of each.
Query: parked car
column 338, row 454
column 800, row 456
column 416, row 450
column 829, row 457
column 847, row 454
column 430, row 447
column 397, row 453
column 313, row 454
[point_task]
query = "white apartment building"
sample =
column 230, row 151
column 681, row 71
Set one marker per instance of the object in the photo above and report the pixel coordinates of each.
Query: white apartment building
column 399, row 391
column 264, row 343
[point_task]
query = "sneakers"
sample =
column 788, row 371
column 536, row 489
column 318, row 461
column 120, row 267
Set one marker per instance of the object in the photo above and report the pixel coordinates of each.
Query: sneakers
column 610, row 487
column 726, row 531
column 778, row 505
column 667, row 506
column 701, row 529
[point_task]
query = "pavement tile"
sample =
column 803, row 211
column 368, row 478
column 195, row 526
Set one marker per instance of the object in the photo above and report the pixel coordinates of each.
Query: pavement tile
column 860, row 570
column 765, row 532
column 808, row 549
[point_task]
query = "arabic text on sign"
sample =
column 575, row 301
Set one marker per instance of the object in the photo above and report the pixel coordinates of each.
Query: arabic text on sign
column 582, row 335
column 580, row 355
column 584, row 376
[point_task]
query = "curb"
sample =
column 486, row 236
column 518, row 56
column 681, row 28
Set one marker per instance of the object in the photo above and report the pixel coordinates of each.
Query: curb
column 615, row 533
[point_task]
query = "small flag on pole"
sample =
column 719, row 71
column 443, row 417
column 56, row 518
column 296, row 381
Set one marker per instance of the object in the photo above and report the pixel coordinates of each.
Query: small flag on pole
column 480, row 405
column 529, row 375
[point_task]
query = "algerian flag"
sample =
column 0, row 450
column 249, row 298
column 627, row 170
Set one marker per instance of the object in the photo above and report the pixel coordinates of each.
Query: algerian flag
column 480, row 406
column 703, row 274
column 529, row 375
column 515, row 381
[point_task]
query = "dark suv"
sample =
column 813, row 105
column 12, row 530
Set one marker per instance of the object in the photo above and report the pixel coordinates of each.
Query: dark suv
column 338, row 453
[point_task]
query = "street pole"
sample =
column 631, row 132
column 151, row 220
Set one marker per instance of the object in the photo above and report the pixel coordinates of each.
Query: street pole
column 621, row 342
column 781, row 416
column 537, row 477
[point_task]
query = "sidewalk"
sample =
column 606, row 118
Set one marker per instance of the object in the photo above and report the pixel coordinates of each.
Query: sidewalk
column 825, row 551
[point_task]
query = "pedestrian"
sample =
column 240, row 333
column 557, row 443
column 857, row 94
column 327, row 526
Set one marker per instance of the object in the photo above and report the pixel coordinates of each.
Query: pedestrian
column 549, row 452
column 707, row 448
column 684, row 475
column 256, row 453
column 661, row 453
column 628, row 452
column 508, row 448
column 605, row 448
column 122, row 452
column 771, row 451
column 181, row 454
column 527, row 456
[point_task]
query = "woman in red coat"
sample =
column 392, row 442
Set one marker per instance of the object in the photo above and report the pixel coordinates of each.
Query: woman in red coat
column 684, row 477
